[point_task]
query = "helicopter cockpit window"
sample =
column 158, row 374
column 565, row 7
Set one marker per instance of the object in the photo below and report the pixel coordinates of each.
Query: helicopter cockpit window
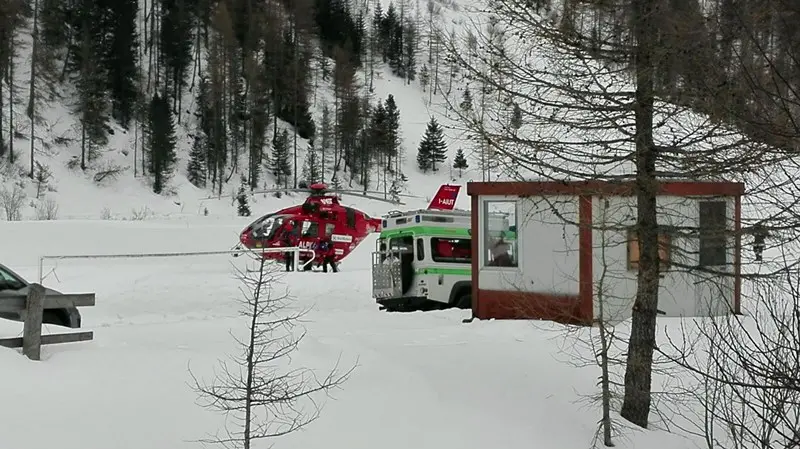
column 310, row 229
column 263, row 226
column 329, row 227
column 271, row 226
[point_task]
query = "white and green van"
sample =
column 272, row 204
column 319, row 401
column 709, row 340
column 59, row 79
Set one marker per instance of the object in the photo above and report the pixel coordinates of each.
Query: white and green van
column 423, row 260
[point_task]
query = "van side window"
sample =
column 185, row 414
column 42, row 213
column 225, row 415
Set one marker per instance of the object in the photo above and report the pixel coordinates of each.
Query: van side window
column 420, row 249
column 451, row 250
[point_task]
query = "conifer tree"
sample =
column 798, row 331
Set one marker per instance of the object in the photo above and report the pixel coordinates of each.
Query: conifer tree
column 466, row 100
column 281, row 165
column 196, row 170
column 92, row 101
column 460, row 162
column 395, row 189
column 52, row 16
column 259, row 106
column 121, row 60
column 392, row 134
column 311, row 166
column 516, row 117
column 242, row 207
column 424, row 156
column 432, row 149
column 326, row 139
column 175, row 44
column 162, row 142
column 409, row 52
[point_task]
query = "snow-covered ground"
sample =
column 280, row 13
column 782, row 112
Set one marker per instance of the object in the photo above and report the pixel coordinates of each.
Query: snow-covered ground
column 423, row 380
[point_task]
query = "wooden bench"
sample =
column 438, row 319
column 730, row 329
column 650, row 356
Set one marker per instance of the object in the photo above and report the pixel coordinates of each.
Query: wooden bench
column 31, row 307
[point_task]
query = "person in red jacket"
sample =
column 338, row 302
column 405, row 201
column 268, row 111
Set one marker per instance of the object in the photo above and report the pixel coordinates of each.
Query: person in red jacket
column 289, row 239
column 326, row 250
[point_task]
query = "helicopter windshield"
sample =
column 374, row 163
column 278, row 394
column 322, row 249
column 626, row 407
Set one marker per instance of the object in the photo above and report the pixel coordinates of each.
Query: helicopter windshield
column 267, row 228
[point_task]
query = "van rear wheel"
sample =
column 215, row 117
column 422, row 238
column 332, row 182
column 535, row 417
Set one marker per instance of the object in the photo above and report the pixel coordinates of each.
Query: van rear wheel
column 464, row 301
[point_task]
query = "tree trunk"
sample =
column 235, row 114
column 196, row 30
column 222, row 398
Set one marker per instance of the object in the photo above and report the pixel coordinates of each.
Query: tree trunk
column 638, row 374
column 11, row 157
column 32, row 92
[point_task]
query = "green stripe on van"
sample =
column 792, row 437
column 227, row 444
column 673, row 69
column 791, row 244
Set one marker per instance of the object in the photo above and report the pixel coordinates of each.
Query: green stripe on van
column 426, row 230
column 445, row 271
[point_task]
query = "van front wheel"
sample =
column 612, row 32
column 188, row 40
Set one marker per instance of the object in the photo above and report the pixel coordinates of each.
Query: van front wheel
column 464, row 301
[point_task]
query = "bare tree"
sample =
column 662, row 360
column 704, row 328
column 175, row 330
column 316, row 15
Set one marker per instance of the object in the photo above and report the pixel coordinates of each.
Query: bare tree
column 259, row 400
column 747, row 367
column 585, row 118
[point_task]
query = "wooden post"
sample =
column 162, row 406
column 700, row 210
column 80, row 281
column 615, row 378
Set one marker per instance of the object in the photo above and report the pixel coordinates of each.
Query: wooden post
column 32, row 330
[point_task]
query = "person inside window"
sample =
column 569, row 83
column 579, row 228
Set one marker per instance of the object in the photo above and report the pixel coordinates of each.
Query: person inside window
column 500, row 255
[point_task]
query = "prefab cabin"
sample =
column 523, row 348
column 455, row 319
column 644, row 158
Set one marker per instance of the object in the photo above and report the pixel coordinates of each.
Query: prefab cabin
column 576, row 252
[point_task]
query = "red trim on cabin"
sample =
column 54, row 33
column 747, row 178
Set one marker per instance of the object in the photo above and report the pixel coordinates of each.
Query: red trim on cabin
column 511, row 305
column 585, row 262
column 475, row 250
column 624, row 188
column 737, row 256
column 578, row 309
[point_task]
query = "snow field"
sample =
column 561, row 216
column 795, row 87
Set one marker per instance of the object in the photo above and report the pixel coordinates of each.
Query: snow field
column 425, row 380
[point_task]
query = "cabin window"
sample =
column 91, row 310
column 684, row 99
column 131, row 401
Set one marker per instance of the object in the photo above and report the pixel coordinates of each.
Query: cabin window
column 499, row 233
column 451, row 250
column 713, row 241
column 664, row 250
column 420, row 249
column 329, row 227
column 310, row 229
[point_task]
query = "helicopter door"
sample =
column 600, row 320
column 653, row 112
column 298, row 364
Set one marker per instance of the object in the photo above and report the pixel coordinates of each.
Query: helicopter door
column 350, row 214
column 310, row 229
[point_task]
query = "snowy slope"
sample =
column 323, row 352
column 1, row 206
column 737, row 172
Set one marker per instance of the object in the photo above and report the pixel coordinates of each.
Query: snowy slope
column 126, row 195
column 423, row 380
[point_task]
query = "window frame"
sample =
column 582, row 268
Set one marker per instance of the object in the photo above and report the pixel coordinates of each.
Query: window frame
column 664, row 250
column 486, row 240
column 312, row 224
column 712, row 241
column 436, row 259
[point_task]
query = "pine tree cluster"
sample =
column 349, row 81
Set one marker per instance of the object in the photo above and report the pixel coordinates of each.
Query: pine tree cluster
column 396, row 40
column 432, row 148
column 247, row 64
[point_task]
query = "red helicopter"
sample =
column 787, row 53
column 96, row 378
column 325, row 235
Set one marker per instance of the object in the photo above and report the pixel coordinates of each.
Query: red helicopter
column 320, row 216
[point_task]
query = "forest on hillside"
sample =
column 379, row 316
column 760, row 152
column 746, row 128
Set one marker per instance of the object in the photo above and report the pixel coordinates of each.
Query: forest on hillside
column 246, row 65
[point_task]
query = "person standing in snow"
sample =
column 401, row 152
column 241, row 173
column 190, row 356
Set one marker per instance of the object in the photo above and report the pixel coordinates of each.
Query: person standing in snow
column 327, row 251
column 289, row 240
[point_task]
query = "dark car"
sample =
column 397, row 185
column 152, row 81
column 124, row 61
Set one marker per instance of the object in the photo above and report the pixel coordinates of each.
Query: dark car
column 13, row 284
